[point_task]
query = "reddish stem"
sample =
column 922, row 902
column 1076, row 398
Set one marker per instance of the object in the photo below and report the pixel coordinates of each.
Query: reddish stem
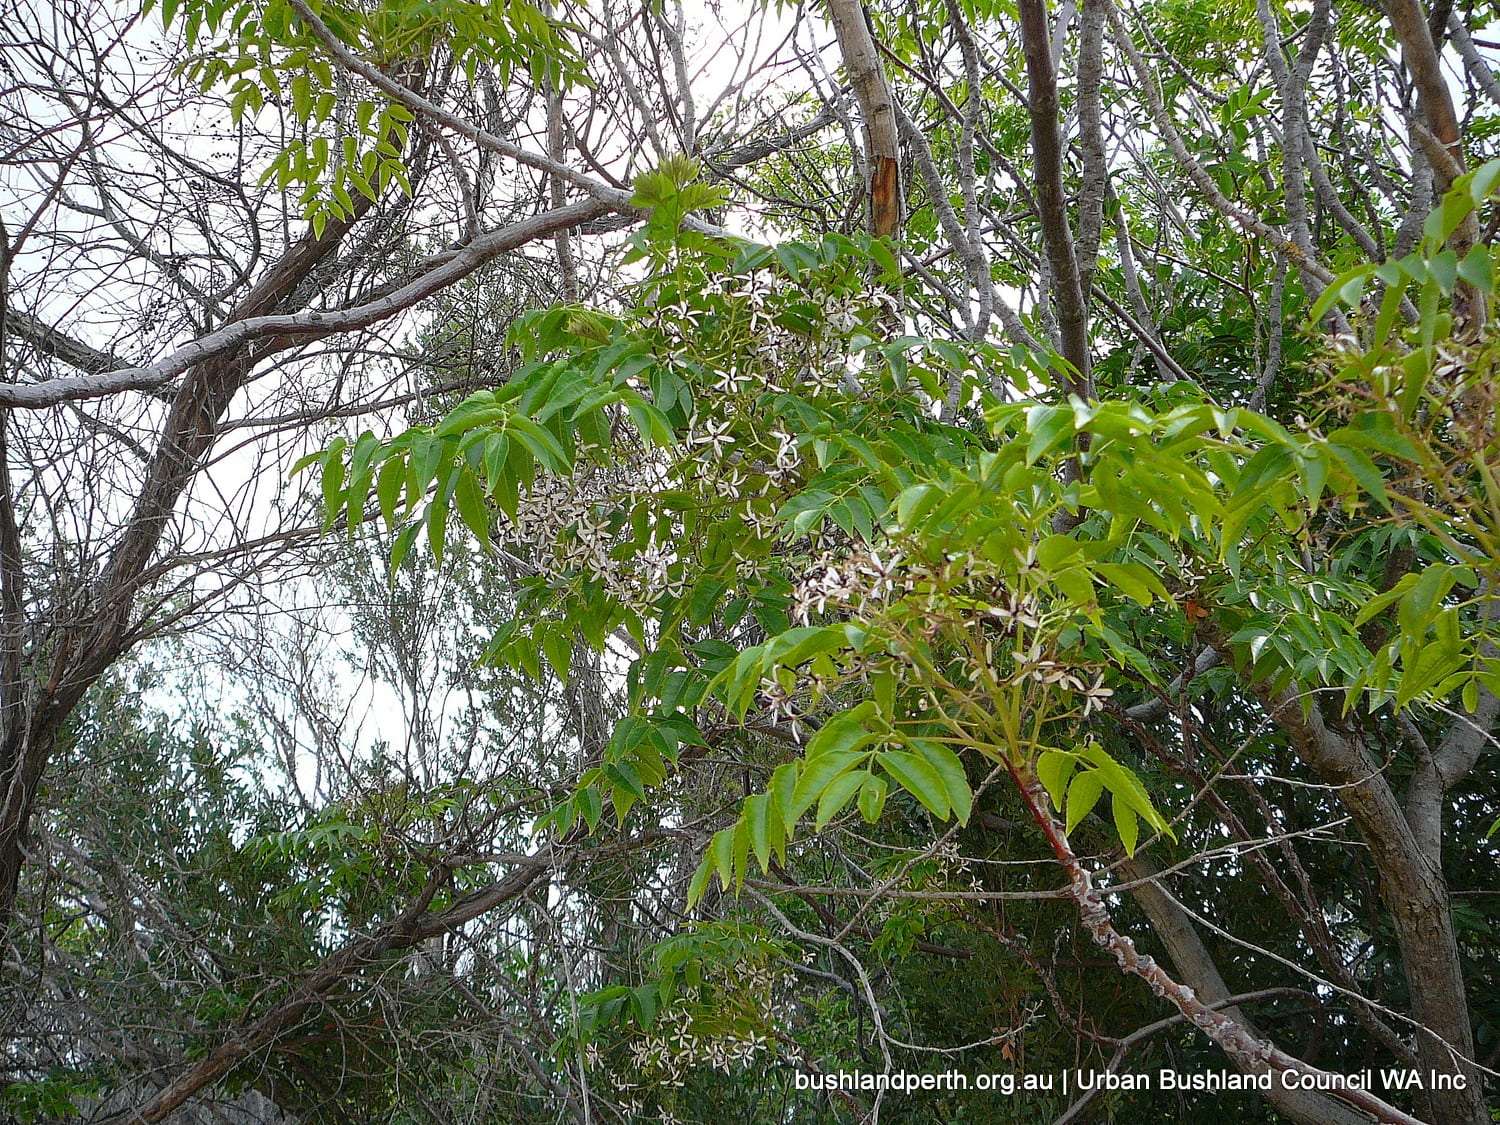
column 1245, row 1050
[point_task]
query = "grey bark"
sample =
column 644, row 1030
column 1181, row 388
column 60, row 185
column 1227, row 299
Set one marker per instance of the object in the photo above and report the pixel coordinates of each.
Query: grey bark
column 1198, row 970
column 1414, row 893
column 878, row 112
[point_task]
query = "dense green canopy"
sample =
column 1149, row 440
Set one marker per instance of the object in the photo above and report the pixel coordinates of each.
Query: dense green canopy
column 607, row 564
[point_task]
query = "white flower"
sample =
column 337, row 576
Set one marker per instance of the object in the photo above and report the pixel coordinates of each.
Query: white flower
column 762, row 523
column 779, row 704
column 731, row 483
column 840, row 318
column 715, row 435
column 883, row 572
column 1016, row 612
column 787, row 456
column 1094, row 697
column 732, row 382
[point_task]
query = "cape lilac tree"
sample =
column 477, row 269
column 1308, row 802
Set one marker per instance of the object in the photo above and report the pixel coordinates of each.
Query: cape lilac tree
column 913, row 602
column 1050, row 500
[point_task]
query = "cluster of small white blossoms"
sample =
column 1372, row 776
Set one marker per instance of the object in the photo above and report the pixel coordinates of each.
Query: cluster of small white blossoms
column 726, row 469
column 675, row 1046
column 956, row 869
column 781, row 360
column 951, row 868
column 862, row 580
column 678, row 1042
column 1016, row 611
column 856, row 581
column 1031, row 664
column 572, row 515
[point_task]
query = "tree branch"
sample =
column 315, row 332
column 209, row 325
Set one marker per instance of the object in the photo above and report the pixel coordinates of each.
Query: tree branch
column 413, row 925
column 1046, row 146
column 1244, row 1049
column 297, row 328
column 51, row 342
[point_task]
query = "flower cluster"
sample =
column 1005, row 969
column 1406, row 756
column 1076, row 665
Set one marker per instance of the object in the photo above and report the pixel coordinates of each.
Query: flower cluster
column 677, row 1044
column 1016, row 611
column 725, row 1025
column 578, row 522
column 857, row 581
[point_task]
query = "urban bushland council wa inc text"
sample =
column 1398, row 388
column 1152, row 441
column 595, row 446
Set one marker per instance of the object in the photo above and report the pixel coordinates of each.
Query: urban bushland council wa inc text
column 1069, row 1081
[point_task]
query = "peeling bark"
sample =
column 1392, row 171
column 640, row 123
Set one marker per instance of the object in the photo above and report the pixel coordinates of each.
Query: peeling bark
column 877, row 111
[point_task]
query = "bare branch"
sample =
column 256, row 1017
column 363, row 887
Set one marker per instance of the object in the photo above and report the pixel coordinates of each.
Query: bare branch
column 289, row 329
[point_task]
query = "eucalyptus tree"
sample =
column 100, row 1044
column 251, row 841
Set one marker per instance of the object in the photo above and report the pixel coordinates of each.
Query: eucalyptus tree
column 223, row 242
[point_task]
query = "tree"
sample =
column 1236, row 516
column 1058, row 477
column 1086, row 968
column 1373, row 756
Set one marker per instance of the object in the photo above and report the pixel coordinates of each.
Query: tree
column 1004, row 577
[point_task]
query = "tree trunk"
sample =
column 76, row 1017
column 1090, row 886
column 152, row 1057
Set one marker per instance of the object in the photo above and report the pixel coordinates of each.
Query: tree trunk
column 878, row 111
column 1415, row 895
column 1196, row 966
column 34, row 716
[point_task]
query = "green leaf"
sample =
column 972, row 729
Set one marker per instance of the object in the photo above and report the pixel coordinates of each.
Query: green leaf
column 1076, row 586
column 782, row 791
column 590, row 806
column 1056, row 549
column 915, row 503
column 699, row 886
column 1378, row 603
column 1446, row 217
column 740, row 854
column 333, row 479
column 1135, row 581
column 645, row 999
column 1083, row 795
column 1122, row 782
column 557, row 646
column 917, row 776
column 471, row 507
column 840, row 733
column 564, row 817
column 1478, row 268
column 544, row 447
column 950, row 769
column 627, row 777
column 722, row 851
column 1344, row 289
column 817, row 774
column 880, row 252
column 1126, row 822
column 1049, row 426
column 437, row 524
column 872, row 797
column 757, row 815
column 705, row 600
column 1443, row 268
column 388, row 488
column 739, row 681
column 1363, row 470
column 1053, row 769
column 1483, row 180
column 402, row 547
column 837, row 795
